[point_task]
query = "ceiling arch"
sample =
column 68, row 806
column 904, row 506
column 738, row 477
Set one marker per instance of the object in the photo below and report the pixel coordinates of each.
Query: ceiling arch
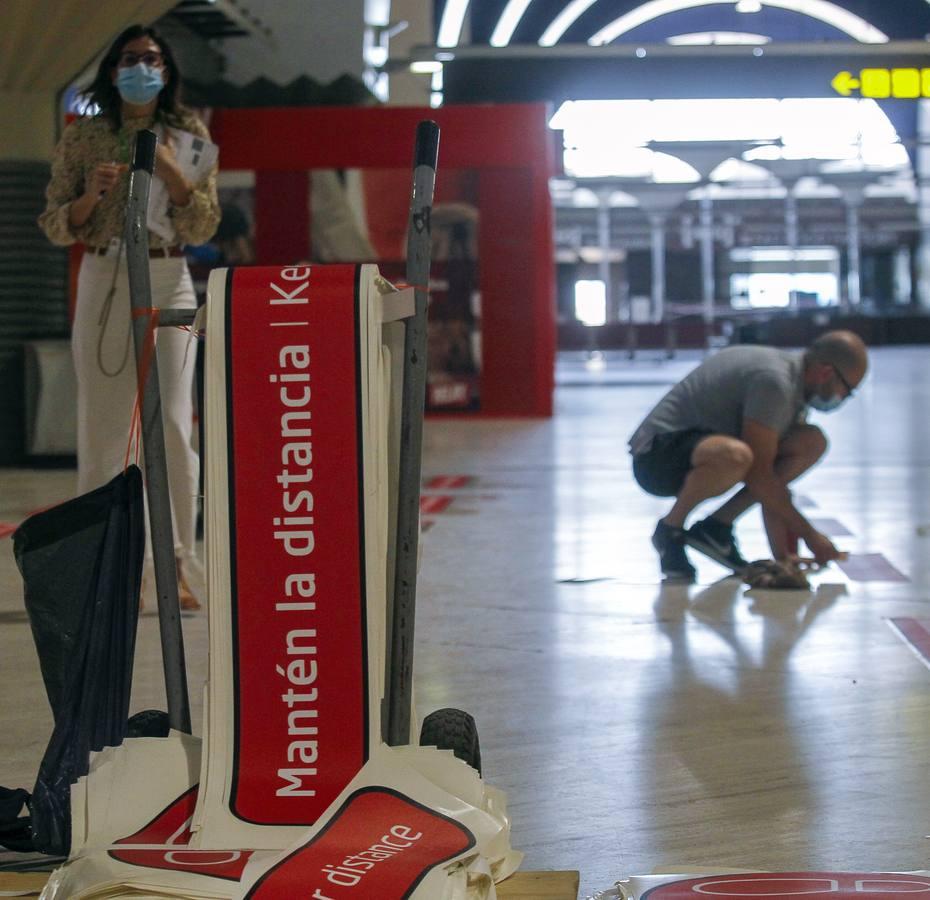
column 500, row 22
column 822, row 10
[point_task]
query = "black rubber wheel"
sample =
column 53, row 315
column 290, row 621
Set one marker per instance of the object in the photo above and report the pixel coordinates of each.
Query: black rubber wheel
column 148, row 723
column 455, row 730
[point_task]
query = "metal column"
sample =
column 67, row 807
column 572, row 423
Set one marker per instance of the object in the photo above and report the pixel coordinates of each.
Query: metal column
column 922, row 173
column 657, row 228
column 853, row 274
column 791, row 235
column 708, row 283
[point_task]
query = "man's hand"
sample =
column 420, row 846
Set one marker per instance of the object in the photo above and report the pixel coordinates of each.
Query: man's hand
column 822, row 547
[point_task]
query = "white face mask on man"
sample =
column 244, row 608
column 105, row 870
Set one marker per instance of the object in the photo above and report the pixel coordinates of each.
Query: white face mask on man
column 835, row 400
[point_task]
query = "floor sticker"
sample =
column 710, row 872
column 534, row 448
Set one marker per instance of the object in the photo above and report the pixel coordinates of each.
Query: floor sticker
column 915, row 634
column 434, row 504
column 871, row 567
column 448, row 482
column 831, row 527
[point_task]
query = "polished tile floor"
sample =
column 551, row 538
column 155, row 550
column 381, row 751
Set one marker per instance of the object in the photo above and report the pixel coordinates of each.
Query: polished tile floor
column 637, row 726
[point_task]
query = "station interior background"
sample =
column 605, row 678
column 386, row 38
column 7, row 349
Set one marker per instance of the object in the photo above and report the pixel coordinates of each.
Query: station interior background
column 742, row 171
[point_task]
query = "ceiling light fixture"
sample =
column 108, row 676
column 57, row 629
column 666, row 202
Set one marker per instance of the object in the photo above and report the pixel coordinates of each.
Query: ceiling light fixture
column 822, row 10
column 450, row 26
column 425, row 67
column 507, row 23
column 562, row 22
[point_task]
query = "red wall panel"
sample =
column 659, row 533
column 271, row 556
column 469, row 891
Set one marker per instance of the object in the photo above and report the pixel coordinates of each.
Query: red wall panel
column 511, row 149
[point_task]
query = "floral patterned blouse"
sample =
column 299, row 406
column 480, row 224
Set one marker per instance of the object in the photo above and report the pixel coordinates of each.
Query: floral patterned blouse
column 89, row 141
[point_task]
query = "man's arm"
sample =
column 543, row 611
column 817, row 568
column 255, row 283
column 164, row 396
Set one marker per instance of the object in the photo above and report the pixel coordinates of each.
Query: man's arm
column 765, row 486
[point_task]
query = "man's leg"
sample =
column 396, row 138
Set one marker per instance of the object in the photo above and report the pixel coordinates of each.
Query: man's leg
column 691, row 466
column 717, row 464
column 800, row 449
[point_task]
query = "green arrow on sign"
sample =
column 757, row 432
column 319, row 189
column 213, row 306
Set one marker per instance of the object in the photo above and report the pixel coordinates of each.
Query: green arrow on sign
column 844, row 83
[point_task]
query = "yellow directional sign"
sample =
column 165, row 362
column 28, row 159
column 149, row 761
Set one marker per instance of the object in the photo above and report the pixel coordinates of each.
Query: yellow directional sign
column 884, row 84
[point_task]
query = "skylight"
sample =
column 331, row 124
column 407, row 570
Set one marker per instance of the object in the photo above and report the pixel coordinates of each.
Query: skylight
column 609, row 137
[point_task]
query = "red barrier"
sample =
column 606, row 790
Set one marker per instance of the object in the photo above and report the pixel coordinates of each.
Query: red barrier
column 511, row 149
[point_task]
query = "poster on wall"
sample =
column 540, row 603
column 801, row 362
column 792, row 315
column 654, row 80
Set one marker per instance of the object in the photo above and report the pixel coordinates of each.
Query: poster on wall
column 454, row 322
column 454, row 329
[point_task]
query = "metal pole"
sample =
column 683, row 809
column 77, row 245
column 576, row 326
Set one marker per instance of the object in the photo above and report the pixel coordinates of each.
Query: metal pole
column 657, row 221
column 853, row 275
column 400, row 675
column 791, row 234
column 708, row 285
column 603, row 243
column 153, row 436
column 922, row 176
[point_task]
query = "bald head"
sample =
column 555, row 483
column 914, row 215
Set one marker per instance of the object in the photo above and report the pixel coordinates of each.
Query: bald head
column 843, row 350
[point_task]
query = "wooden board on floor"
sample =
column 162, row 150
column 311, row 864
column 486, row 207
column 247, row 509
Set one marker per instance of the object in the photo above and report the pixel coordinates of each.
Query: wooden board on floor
column 22, row 884
column 539, row 886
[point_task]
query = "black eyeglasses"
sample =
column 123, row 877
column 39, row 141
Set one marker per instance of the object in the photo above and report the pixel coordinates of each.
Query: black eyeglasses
column 150, row 58
column 849, row 388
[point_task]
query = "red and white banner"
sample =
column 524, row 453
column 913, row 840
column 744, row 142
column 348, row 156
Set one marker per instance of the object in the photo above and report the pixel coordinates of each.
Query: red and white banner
column 295, row 512
column 288, row 402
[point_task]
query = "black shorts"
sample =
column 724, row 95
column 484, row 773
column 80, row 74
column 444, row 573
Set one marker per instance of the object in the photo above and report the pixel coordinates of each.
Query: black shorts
column 661, row 470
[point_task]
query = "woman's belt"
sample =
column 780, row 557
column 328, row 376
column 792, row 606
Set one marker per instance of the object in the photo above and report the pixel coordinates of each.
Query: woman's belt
column 154, row 252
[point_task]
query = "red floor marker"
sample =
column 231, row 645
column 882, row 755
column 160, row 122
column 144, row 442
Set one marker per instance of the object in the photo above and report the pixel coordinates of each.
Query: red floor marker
column 778, row 885
column 448, row 482
column 915, row 634
column 434, row 504
column 871, row 567
column 831, row 527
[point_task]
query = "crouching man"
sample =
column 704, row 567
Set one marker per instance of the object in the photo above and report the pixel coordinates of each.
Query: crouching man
column 740, row 418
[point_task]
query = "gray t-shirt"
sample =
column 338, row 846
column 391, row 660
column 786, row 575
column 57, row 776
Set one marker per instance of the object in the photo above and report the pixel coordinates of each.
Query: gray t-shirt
column 759, row 383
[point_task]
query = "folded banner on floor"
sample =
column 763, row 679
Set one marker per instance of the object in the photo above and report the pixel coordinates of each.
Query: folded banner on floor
column 413, row 823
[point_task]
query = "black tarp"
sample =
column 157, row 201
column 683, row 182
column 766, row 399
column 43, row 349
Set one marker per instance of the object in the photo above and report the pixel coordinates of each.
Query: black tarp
column 81, row 564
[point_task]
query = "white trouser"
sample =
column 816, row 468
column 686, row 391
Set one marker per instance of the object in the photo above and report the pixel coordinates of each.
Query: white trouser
column 105, row 401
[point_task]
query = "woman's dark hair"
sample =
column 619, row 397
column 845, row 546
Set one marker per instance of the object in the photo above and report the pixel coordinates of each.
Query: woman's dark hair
column 104, row 94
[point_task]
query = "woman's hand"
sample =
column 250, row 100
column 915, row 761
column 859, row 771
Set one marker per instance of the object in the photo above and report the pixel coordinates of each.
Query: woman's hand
column 166, row 161
column 103, row 178
column 168, row 170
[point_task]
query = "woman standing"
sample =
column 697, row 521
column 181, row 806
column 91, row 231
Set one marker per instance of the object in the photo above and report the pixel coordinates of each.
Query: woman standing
column 136, row 87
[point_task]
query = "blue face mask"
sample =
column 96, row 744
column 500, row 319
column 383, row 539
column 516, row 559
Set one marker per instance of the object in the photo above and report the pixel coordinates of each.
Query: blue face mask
column 826, row 405
column 140, row 83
